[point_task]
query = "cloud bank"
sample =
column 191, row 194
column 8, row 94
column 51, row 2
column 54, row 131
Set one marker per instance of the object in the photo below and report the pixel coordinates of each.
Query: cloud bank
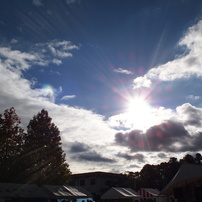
column 74, row 123
column 180, row 134
column 87, row 136
column 183, row 67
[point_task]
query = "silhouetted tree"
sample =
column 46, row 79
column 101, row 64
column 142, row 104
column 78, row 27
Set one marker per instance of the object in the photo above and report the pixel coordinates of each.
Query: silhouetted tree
column 167, row 171
column 45, row 159
column 11, row 141
column 198, row 158
column 130, row 180
column 188, row 159
column 149, row 176
column 173, row 160
column 156, row 176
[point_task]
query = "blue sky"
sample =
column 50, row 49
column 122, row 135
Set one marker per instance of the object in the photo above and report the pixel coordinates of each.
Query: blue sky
column 121, row 79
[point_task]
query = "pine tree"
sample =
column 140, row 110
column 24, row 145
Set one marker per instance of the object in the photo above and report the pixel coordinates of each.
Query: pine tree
column 11, row 141
column 45, row 159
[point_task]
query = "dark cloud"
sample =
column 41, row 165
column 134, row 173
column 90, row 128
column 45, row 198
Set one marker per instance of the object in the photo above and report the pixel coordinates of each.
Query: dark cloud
column 129, row 139
column 197, row 142
column 77, row 147
column 134, row 166
column 191, row 61
column 161, row 155
column 139, row 157
column 193, row 115
column 93, row 157
column 83, row 152
column 169, row 136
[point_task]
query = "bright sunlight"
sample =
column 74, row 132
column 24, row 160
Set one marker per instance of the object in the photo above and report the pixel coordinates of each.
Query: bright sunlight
column 139, row 113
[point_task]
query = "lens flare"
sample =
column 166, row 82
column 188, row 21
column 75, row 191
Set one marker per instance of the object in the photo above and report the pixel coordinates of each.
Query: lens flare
column 48, row 90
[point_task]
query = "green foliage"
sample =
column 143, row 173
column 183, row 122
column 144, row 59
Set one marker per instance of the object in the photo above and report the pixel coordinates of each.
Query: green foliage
column 131, row 179
column 45, row 162
column 188, row 159
column 11, row 146
column 32, row 157
column 158, row 176
column 198, row 158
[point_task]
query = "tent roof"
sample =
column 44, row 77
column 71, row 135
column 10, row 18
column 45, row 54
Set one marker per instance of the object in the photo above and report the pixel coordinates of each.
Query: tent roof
column 79, row 191
column 61, row 191
column 21, row 190
column 186, row 174
column 56, row 191
column 154, row 192
column 119, row 192
column 46, row 191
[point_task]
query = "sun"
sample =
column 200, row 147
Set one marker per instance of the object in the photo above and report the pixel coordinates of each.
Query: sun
column 138, row 106
column 139, row 113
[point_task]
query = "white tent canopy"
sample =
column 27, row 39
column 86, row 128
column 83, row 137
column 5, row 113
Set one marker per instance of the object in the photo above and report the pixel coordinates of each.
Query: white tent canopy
column 186, row 174
column 62, row 191
column 119, row 192
column 149, row 192
column 11, row 190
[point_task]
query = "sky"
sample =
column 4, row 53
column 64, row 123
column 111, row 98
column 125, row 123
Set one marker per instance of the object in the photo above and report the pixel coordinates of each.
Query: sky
column 121, row 79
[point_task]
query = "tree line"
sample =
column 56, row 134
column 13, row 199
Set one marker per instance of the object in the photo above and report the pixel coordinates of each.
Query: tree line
column 31, row 156
column 158, row 176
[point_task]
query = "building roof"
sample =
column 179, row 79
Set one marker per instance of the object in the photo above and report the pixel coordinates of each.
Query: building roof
column 119, row 192
column 96, row 173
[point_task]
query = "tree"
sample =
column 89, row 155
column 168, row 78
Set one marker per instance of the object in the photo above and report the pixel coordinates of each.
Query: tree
column 198, row 158
column 45, row 159
column 11, row 141
column 130, row 179
column 149, row 176
column 156, row 176
column 167, row 171
column 188, row 159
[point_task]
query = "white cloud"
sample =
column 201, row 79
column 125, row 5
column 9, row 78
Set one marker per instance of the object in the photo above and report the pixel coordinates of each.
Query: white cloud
column 14, row 41
column 37, row 3
column 67, row 97
column 154, row 116
column 141, row 82
column 57, row 62
column 39, row 55
column 122, row 71
column 186, row 114
column 16, row 59
column 190, row 116
column 75, row 124
column 182, row 67
column 193, row 97
column 61, row 48
column 71, row 1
